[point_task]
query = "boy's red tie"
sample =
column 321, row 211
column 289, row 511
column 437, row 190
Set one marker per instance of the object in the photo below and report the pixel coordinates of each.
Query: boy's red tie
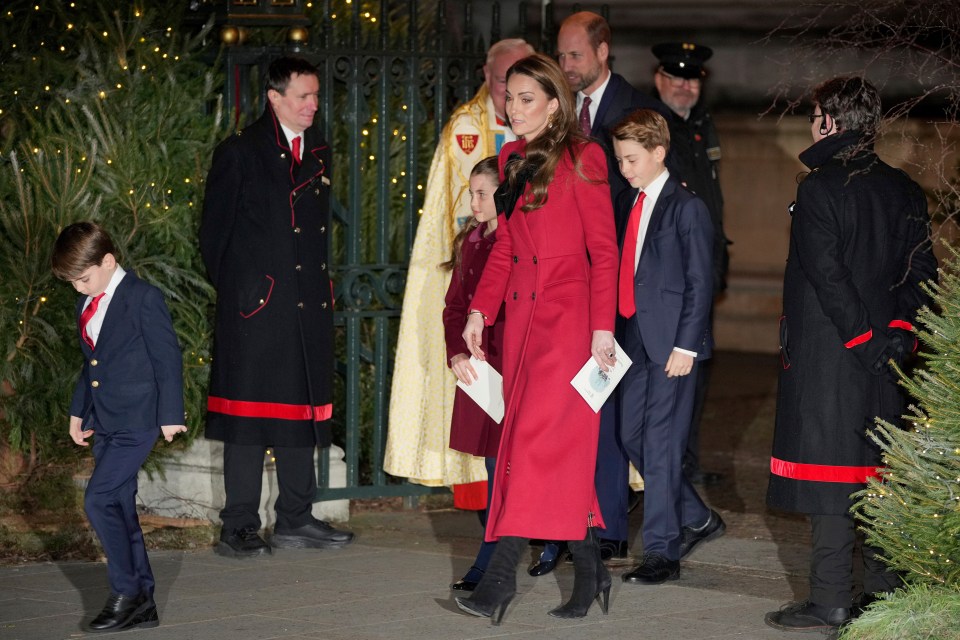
column 626, row 301
column 85, row 318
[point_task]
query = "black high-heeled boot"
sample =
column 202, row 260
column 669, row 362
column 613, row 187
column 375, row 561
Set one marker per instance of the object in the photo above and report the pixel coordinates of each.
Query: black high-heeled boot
column 498, row 584
column 590, row 579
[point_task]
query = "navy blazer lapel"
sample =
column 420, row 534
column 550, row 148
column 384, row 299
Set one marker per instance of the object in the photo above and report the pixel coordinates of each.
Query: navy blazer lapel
column 609, row 96
column 117, row 307
column 663, row 201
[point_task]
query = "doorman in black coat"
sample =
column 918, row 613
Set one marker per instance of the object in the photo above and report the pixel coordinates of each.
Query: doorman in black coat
column 859, row 249
column 604, row 98
column 264, row 241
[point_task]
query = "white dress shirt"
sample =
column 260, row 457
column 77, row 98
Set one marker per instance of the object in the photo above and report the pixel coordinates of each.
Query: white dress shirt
column 96, row 322
column 595, row 99
column 290, row 136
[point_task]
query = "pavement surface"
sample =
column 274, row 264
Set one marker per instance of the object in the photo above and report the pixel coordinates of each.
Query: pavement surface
column 393, row 581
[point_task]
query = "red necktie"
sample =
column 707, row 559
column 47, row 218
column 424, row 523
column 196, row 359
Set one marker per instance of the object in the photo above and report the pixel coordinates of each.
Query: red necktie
column 296, row 149
column 627, row 303
column 585, row 116
column 85, row 318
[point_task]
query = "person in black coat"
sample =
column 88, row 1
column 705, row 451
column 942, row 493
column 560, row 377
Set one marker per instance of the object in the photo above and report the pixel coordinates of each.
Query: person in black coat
column 604, row 98
column 263, row 238
column 694, row 160
column 859, row 250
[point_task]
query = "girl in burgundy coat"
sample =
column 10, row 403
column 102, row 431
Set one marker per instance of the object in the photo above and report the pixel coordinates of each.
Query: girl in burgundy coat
column 554, row 267
column 471, row 429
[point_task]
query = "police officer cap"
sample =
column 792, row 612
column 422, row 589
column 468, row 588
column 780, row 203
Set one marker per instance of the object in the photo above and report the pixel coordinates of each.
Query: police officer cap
column 682, row 59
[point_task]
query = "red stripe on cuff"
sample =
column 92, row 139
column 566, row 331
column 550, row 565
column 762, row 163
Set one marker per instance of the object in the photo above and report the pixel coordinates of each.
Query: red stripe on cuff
column 280, row 411
column 900, row 324
column 822, row 472
column 860, row 339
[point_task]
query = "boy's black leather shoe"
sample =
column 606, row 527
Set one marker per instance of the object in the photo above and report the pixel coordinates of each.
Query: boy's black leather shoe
column 116, row 613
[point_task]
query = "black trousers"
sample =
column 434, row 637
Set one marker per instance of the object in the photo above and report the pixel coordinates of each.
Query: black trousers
column 831, row 563
column 242, row 480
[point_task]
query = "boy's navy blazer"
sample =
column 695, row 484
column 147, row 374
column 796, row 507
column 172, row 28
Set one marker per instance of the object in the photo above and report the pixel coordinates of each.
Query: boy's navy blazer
column 673, row 283
column 134, row 378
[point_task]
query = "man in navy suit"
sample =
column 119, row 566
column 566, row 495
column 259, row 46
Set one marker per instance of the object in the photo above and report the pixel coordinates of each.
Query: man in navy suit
column 603, row 99
column 129, row 392
column 664, row 298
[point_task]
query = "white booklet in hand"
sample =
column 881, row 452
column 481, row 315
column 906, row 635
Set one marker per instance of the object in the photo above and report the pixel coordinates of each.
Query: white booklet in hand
column 487, row 389
column 595, row 385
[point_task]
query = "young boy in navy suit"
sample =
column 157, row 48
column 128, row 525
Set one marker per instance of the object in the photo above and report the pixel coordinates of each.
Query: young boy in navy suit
column 129, row 392
column 664, row 299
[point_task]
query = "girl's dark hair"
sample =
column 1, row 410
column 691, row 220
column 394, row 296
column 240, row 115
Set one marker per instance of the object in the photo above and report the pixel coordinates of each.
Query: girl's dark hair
column 486, row 167
column 562, row 134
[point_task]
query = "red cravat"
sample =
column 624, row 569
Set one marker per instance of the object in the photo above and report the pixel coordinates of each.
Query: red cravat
column 627, row 303
column 585, row 116
column 296, row 149
column 85, row 318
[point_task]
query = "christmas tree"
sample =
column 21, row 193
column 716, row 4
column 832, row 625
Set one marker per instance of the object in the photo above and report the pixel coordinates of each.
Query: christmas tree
column 107, row 113
column 913, row 511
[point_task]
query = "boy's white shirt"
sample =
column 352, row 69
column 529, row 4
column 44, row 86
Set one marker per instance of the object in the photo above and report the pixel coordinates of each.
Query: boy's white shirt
column 96, row 322
column 650, row 201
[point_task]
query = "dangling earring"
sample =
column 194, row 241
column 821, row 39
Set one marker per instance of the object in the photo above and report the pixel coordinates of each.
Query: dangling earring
column 550, row 121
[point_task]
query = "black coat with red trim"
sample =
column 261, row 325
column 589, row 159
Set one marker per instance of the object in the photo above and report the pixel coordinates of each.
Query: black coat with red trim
column 263, row 238
column 859, row 248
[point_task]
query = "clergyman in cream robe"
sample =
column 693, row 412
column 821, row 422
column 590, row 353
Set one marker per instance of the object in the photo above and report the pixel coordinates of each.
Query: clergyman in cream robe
column 421, row 398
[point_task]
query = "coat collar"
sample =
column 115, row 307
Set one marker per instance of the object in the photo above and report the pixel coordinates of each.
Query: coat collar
column 844, row 145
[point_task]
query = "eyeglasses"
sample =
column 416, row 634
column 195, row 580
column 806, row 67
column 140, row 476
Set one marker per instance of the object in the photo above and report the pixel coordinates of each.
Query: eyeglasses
column 813, row 117
column 677, row 81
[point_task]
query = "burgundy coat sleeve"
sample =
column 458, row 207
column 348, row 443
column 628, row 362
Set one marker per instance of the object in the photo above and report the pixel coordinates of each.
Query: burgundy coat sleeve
column 455, row 315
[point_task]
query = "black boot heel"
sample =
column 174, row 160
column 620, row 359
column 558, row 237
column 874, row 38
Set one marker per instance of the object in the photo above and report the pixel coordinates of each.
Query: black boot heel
column 495, row 613
column 591, row 581
column 604, row 597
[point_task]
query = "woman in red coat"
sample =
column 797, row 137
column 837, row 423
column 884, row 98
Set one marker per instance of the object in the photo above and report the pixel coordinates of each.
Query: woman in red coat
column 555, row 267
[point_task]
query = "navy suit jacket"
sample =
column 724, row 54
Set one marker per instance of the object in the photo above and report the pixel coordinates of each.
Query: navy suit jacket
column 619, row 100
column 673, row 283
column 133, row 380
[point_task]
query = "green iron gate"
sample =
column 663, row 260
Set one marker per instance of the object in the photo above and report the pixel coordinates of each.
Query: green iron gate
column 391, row 71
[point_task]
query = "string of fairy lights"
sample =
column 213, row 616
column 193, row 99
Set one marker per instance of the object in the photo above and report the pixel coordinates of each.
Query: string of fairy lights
column 73, row 30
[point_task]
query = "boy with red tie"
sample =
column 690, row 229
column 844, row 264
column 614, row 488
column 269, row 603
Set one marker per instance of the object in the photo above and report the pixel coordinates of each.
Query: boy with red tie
column 665, row 294
column 129, row 392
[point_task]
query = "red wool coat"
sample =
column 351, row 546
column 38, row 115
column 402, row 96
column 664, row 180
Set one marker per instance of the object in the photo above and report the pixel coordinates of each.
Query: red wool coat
column 471, row 429
column 555, row 297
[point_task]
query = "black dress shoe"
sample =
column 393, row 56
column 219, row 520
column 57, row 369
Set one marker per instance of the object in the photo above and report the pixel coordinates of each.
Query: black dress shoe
column 244, row 542
column 314, row 535
column 712, row 529
column 117, row 612
column 469, row 581
column 807, row 616
column 544, row 566
column 612, row 549
column 145, row 616
column 653, row 569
